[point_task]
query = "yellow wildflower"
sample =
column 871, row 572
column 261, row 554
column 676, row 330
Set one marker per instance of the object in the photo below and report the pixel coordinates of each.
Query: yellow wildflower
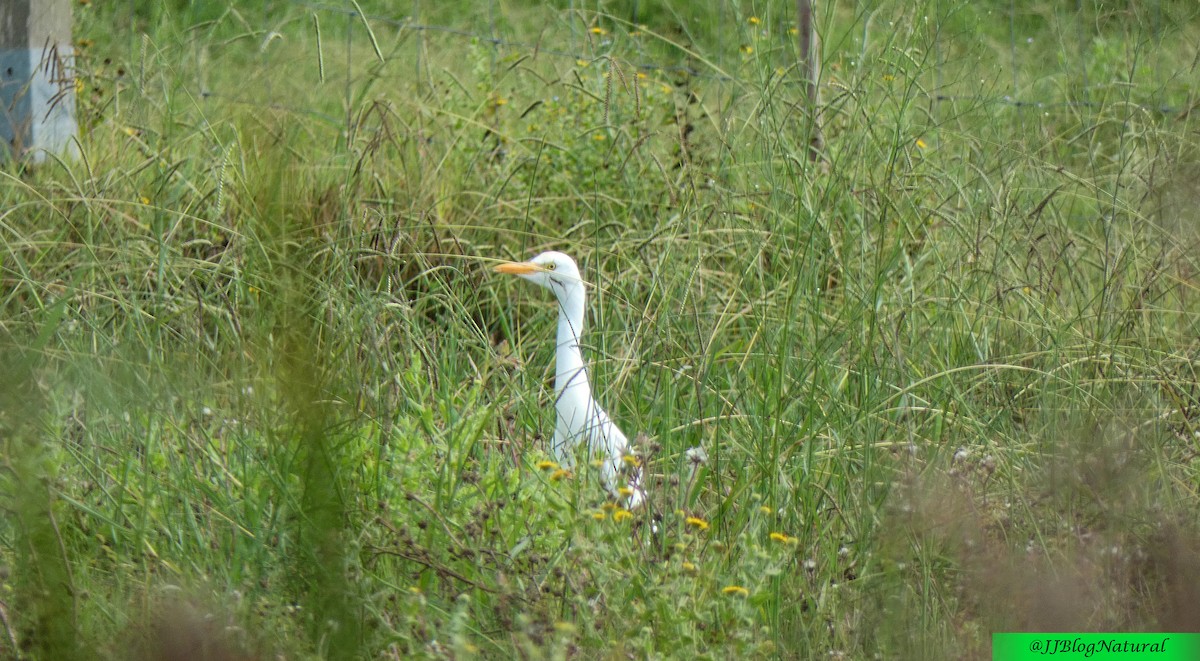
column 625, row 491
column 546, row 465
column 753, row 20
column 747, row 49
column 621, row 515
column 764, row 509
column 689, row 567
column 735, row 590
column 631, row 460
column 921, row 144
column 599, row 30
column 780, row 537
column 599, row 516
column 697, row 523
column 560, row 475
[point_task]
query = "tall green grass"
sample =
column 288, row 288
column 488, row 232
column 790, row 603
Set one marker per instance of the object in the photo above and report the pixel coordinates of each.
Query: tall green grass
column 262, row 396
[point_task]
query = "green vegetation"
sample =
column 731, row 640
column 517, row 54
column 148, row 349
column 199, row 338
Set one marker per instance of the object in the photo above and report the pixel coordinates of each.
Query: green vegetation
column 260, row 393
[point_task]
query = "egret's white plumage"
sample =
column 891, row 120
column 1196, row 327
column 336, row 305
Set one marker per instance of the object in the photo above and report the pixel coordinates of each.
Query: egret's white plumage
column 579, row 419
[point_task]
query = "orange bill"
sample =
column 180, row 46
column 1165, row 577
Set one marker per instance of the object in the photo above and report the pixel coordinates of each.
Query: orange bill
column 517, row 268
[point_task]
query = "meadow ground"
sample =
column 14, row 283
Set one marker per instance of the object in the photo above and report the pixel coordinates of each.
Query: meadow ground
column 262, row 396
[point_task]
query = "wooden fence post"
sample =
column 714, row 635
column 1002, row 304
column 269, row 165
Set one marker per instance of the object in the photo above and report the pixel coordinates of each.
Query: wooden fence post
column 810, row 66
column 37, row 80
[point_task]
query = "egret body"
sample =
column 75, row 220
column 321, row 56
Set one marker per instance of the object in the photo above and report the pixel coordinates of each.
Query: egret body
column 578, row 418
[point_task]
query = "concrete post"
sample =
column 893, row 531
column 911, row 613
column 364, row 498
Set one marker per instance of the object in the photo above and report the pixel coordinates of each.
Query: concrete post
column 37, row 79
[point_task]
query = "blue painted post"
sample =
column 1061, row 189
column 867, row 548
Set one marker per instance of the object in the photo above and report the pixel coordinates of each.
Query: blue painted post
column 37, row 80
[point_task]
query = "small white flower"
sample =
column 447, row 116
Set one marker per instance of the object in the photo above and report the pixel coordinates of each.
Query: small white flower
column 697, row 455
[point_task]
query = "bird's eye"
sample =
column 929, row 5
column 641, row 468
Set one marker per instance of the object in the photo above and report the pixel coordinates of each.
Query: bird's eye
column 550, row 266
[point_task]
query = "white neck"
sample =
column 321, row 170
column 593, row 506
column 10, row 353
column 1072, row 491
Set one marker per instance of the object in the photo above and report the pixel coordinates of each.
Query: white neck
column 568, row 359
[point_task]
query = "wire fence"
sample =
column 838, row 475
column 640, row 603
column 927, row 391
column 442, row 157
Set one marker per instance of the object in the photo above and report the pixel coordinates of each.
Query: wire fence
column 584, row 49
column 1081, row 44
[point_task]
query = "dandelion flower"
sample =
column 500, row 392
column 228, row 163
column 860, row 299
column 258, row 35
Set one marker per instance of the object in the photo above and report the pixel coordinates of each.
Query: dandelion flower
column 747, row 49
column 782, row 538
column 689, row 567
column 632, row 460
column 599, row 30
column 697, row 523
column 753, row 20
column 735, row 591
column 621, row 515
column 625, row 491
column 546, row 465
column 560, row 475
column 921, row 144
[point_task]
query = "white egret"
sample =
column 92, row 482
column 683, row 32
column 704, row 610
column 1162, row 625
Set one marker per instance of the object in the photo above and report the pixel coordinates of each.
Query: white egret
column 580, row 420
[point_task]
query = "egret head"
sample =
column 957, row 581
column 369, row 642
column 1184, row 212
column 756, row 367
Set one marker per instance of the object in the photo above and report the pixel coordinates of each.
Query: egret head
column 552, row 270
